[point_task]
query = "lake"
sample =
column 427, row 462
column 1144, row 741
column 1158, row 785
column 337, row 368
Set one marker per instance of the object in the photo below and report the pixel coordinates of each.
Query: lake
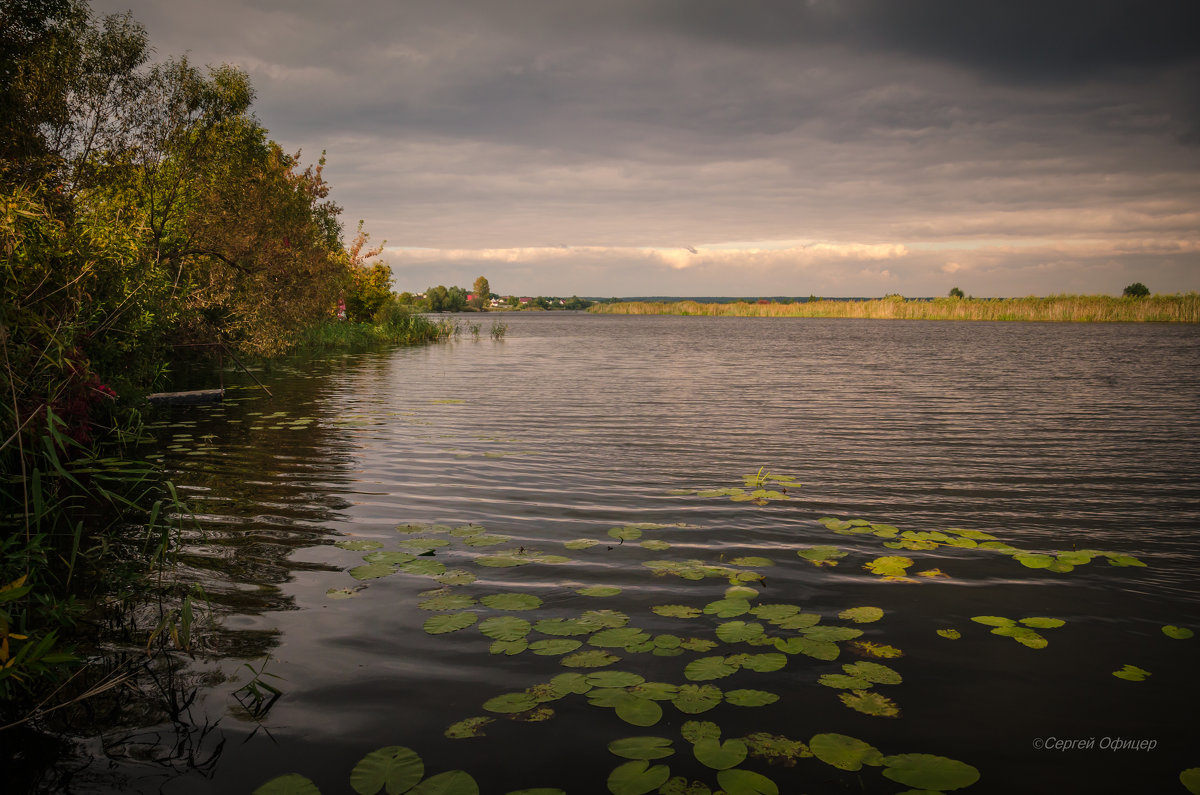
column 610, row 527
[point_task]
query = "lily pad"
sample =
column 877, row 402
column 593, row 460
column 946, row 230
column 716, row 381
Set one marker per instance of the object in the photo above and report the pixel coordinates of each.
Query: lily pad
column 341, row 593
column 861, row 615
column 581, row 543
column 1132, row 673
column 926, row 771
column 510, row 703
column 637, row 778
column 870, row 703
column 775, row 748
column 564, row 626
column 696, row 730
column 1178, row 633
column 590, row 659
column 738, row 631
column 395, row 767
column 654, row 545
column 831, row 633
column 751, row 560
column 570, row 683
column 746, row 782
column 358, row 545
column 618, row 637
column 598, row 590
column 750, row 698
column 994, row 621
column 625, row 533
column 823, row 555
column 843, row 681
column 424, row 567
column 952, row 634
column 1034, row 561
column 447, row 602
column 372, row 571
column 873, row 672
column 604, row 619
column 709, row 668
column 290, row 784
column 764, row 663
column 554, row 646
column 720, row 755
column 889, row 565
column 505, row 628
column 389, row 556
column 509, row 647
column 696, row 699
column 727, row 608
column 511, row 601
column 449, row 622
column 1041, row 622
column 817, row 649
column 642, row 747
column 452, row 782
column 844, row 752
column 638, row 711
column 455, row 577
column 774, row 612
column 798, row 621
column 1190, row 779
column 487, row 540
column 676, row 611
column 468, row 727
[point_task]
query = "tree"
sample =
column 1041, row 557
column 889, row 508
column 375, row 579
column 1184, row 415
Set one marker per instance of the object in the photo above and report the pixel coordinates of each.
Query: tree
column 956, row 293
column 481, row 292
column 456, row 299
column 437, row 298
column 1137, row 290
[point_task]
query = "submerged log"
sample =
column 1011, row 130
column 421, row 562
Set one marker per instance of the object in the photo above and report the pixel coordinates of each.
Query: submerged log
column 187, row 398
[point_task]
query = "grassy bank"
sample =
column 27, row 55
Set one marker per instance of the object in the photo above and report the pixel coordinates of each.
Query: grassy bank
column 1183, row 308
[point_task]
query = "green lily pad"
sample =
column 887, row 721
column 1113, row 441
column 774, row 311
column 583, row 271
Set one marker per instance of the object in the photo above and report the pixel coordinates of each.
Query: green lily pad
column 869, row 702
column 638, row 711
column 511, row 601
column 727, row 608
column 449, row 622
column 698, row 644
column 656, row 691
column 696, row 699
column 843, row 752
column 447, row 602
column 952, row 634
column 708, row 668
column 642, row 747
column 1132, row 673
column 750, row 698
column 764, row 663
column 290, row 784
column 883, row 650
column 746, row 782
column 926, row 771
column 751, row 560
column 774, row 612
column 889, row 565
column 505, row 627
column 831, row 633
column 564, row 626
column 1122, row 560
column 604, row 619
column 738, row 631
column 389, row 556
column 614, row 679
column 654, row 544
column 468, row 727
column 618, row 637
column 873, row 672
column 676, row 611
column 798, row 621
column 509, row 647
column 590, row 659
column 1178, row 633
column 696, row 730
column 861, row 615
column 372, row 571
column 994, row 621
column 424, row 567
column 625, row 533
column 817, row 649
column 1190, row 779
column 570, row 683
column 822, row 555
column 555, row 646
column 510, row 703
column 487, row 540
column 395, row 767
column 843, row 681
column 452, row 782
column 637, row 778
column 775, row 748
column 1041, row 622
column 358, row 545
column 581, row 543
column 341, row 593
column 1034, row 561
column 455, row 577
column 720, row 755
column 598, row 590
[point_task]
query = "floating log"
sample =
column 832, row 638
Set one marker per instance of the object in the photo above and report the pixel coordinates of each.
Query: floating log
column 187, row 398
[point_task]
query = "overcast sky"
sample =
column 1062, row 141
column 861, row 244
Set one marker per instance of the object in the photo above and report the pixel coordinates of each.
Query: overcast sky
column 737, row 147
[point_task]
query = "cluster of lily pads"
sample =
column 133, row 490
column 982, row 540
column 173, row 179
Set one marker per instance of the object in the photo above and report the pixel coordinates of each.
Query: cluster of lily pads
column 396, row 769
column 756, row 488
column 1059, row 561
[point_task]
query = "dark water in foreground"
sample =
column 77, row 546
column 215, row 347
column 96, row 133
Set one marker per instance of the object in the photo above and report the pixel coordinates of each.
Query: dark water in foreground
column 1048, row 437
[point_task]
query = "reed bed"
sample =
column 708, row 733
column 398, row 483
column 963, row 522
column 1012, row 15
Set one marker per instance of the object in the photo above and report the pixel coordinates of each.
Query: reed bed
column 1183, row 308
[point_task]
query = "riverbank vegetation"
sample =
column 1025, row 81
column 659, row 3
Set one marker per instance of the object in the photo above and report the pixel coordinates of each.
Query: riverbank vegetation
column 145, row 213
column 1183, row 308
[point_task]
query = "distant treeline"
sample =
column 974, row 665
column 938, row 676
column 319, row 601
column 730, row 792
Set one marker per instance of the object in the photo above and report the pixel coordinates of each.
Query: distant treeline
column 1183, row 308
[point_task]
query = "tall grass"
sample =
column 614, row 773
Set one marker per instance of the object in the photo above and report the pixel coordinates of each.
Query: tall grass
column 1183, row 308
column 391, row 327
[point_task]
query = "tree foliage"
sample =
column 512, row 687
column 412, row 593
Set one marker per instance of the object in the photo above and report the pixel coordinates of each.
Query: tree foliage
column 481, row 292
column 1137, row 290
column 956, row 293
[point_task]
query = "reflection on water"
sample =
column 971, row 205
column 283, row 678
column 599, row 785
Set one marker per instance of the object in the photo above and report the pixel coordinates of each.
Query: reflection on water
column 1052, row 438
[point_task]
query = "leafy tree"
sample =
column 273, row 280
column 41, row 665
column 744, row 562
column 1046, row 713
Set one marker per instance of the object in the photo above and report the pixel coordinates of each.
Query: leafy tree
column 1137, row 290
column 481, row 292
column 456, row 299
column 438, row 298
column 956, row 293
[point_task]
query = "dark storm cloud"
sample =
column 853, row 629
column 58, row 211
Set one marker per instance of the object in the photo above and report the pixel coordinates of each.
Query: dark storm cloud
column 1051, row 141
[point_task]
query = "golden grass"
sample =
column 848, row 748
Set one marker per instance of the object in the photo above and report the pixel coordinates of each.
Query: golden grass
column 1183, row 308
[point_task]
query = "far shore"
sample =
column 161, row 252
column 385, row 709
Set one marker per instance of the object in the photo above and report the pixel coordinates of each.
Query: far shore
column 1184, row 308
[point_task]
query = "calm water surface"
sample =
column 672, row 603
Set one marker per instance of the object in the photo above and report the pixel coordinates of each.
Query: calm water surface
column 1049, row 437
